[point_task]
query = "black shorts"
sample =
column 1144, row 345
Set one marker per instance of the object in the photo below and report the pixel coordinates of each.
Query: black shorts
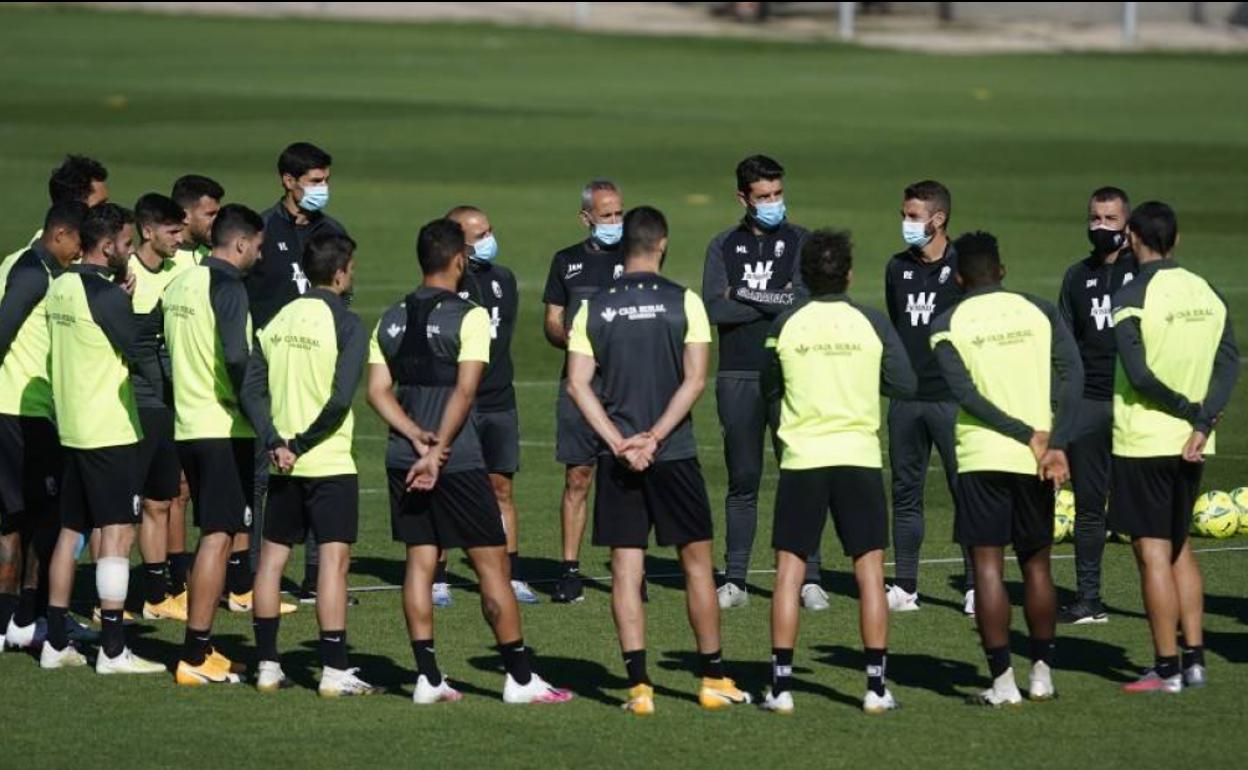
column 329, row 506
column 100, row 488
column 500, row 440
column 160, row 476
column 998, row 508
column 31, row 467
column 853, row 495
column 221, row 474
column 669, row 496
column 459, row 512
column 1153, row 497
column 575, row 442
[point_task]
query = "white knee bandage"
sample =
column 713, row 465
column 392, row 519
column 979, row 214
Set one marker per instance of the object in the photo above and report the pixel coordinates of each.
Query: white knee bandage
column 112, row 578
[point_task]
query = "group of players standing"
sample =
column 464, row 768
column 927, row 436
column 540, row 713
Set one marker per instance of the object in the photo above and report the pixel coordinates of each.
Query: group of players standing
column 222, row 349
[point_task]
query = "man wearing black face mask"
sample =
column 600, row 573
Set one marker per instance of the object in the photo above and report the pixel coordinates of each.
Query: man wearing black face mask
column 1085, row 306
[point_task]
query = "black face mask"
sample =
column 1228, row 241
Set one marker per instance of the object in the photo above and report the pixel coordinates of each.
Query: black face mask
column 1106, row 241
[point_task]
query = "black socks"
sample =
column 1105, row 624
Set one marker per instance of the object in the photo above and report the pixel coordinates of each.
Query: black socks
column 334, row 649
column 1042, row 651
column 998, row 660
column 781, row 669
column 57, row 635
column 712, row 664
column 635, row 665
column 516, row 660
column 426, row 661
column 238, row 573
column 876, row 664
column 266, row 637
column 179, row 564
column 197, row 646
column 155, row 583
column 112, row 632
column 8, row 605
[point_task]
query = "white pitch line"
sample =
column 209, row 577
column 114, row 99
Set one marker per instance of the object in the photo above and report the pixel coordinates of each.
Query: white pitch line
column 668, row 575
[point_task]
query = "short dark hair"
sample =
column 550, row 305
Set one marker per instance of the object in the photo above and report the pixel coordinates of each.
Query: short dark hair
column 66, row 214
column 235, row 220
column 1155, row 224
column 827, row 258
column 644, row 227
column 1109, row 193
column 437, row 244
column 934, row 194
column 71, row 181
column 463, row 209
column 188, row 189
column 156, row 209
column 300, row 158
column 757, row 168
column 979, row 259
column 325, row 255
column 103, row 222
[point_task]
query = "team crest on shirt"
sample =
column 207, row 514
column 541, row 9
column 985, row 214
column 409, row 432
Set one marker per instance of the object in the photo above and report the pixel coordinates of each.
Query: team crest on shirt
column 50, row 486
column 1128, row 278
column 394, row 330
column 609, row 315
column 907, row 275
column 944, row 274
column 498, row 290
column 464, row 295
column 779, row 250
column 619, row 270
column 743, row 249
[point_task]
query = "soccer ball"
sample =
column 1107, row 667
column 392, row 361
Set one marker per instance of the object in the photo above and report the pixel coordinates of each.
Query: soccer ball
column 1063, row 516
column 1215, row 515
column 1240, row 498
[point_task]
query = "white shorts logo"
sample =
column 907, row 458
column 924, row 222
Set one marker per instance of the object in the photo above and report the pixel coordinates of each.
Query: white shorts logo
column 247, row 516
column 137, row 502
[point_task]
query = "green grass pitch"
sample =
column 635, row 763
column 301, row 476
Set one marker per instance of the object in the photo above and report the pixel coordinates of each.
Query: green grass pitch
column 420, row 118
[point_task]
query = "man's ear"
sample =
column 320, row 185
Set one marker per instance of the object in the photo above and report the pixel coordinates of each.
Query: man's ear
column 849, row 279
column 1001, row 273
column 289, row 183
column 742, row 199
column 583, row 215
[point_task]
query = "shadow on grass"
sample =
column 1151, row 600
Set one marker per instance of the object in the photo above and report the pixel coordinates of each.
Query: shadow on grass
column 948, row 678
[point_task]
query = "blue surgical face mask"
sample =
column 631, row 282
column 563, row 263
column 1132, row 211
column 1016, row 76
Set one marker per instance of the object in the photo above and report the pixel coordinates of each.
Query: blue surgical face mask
column 915, row 233
column 608, row 235
column 486, row 249
column 769, row 214
column 315, row 197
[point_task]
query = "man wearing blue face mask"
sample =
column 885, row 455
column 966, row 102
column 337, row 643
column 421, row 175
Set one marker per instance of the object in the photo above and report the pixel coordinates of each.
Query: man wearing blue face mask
column 276, row 280
column 493, row 287
column 576, row 274
column 751, row 277
column 918, row 286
